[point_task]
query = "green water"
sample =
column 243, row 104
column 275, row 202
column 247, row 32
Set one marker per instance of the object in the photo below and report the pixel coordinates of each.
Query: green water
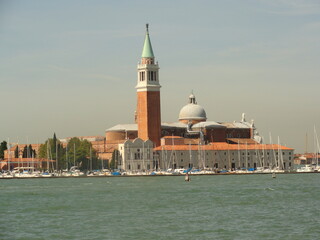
column 208, row 207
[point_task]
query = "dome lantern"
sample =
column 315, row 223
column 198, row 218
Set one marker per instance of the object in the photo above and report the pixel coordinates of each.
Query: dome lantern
column 192, row 112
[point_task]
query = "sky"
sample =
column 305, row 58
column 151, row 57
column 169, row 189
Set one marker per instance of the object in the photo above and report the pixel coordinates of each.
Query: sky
column 70, row 67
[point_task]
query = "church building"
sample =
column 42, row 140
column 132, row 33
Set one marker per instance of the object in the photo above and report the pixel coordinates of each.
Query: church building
column 192, row 141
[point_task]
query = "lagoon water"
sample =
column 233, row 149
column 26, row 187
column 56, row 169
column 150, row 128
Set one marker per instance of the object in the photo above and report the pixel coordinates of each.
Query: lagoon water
column 208, row 207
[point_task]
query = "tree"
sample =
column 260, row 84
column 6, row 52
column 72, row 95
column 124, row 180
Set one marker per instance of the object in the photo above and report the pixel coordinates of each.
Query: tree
column 25, row 152
column 114, row 159
column 29, row 152
column 3, row 147
column 79, row 153
column 52, row 149
column 16, row 152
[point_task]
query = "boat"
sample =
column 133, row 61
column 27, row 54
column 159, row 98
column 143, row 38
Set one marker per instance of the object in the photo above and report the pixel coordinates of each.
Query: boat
column 75, row 171
column 46, row 174
column 306, row 168
column 6, row 175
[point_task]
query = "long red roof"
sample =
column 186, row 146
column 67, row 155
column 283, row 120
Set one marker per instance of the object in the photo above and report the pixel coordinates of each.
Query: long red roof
column 222, row 147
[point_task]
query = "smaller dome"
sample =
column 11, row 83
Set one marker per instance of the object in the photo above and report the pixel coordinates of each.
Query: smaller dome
column 192, row 111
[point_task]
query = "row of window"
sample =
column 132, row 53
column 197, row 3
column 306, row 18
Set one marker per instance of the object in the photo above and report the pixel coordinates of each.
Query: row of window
column 233, row 165
column 138, row 166
column 225, row 153
column 151, row 76
column 243, row 159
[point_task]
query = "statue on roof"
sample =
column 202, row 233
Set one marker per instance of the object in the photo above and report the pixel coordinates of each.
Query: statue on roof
column 243, row 119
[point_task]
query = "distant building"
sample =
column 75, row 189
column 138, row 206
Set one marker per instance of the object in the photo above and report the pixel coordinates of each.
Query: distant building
column 307, row 158
column 192, row 141
column 224, row 156
column 136, row 155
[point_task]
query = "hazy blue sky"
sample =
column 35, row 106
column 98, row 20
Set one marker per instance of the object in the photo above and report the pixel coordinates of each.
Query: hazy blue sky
column 70, row 66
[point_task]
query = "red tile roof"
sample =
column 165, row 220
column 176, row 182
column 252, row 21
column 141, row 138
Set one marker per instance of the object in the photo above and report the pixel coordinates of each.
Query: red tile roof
column 172, row 137
column 222, row 146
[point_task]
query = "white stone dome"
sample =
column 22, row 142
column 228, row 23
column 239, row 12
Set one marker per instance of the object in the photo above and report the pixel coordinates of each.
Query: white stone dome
column 192, row 111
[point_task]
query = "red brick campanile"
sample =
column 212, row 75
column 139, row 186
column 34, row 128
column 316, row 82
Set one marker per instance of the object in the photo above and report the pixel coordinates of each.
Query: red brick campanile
column 148, row 95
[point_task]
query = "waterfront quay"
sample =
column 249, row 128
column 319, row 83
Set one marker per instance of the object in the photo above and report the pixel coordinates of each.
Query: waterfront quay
column 152, row 174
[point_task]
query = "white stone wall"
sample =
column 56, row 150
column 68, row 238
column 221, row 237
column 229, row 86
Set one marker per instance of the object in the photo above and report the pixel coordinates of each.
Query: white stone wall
column 136, row 155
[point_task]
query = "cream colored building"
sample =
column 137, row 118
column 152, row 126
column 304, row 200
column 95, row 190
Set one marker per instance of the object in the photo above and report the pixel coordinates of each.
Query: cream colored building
column 225, row 156
column 136, row 155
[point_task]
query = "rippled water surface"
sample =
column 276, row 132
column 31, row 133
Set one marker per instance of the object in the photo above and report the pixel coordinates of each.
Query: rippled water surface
column 208, row 207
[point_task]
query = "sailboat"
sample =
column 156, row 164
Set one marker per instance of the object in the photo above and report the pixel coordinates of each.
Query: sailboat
column 316, row 152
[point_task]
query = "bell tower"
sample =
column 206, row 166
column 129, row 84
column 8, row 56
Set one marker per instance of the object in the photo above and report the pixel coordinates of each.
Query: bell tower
column 148, row 95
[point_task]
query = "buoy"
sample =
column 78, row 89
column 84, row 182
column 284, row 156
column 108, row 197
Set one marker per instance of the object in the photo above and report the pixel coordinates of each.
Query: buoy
column 273, row 175
column 187, row 178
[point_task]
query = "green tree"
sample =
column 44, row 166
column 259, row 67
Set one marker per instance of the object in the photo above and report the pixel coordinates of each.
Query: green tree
column 16, row 152
column 53, row 149
column 76, row 153
column 115, row 159
column 25, row 152
column 29, row 152
column 79, row 154
column 3, row 147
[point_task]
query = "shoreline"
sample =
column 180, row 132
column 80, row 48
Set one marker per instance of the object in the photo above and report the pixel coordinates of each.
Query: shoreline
column 160, row 175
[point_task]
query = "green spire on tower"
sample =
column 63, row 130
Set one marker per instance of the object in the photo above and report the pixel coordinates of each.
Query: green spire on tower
column 147, row 51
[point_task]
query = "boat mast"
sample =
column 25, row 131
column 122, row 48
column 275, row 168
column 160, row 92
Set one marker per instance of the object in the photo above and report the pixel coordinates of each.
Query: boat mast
column 90, row 159
column 18, row 154
column 190, row 155
column 9, row 155
column 48, row 142
column 239, row 155
column 57, row 155
column 67, row 160
column 247, row 155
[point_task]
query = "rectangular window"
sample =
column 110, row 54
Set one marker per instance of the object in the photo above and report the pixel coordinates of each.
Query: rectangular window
column 155, row 76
